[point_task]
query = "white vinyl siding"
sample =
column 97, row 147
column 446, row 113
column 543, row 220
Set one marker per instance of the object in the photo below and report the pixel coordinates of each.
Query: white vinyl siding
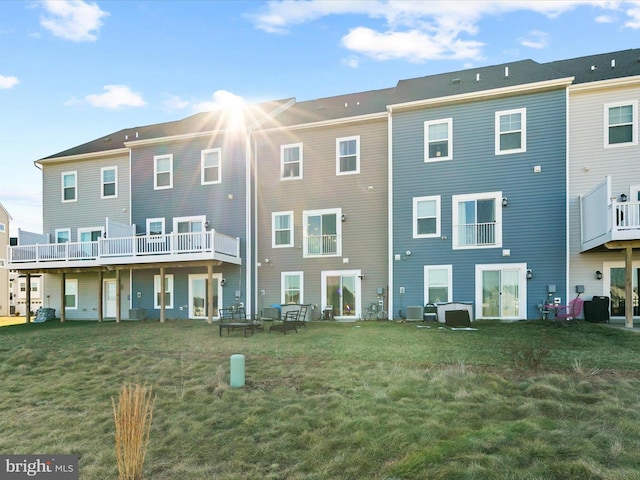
column 621, row 124
column 426, row 217
column 69, row 181
column 291, row 161
column 162, row 172
column 109, row 182
column 511, row 131
column 347, row 155
column 282, row 229
column 438, row 140
column 210, row 168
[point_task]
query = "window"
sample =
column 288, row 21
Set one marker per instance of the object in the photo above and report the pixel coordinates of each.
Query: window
column 282, row 229
column 71, row 294
column 291, row 161
column 622, row 124
column 347, row 155
column 69, row 186
column 155, row 226
column 210, row 166
column 63, row 235
column 163, row 172
column 438, row 140
column 109, row 182
column 3, row 228
column 168, row 291
column 426, row 217
column 2, row 263
column 292, row 288
column 438, row 284
column 511, row 131
column 477, row 220
column 322, row 236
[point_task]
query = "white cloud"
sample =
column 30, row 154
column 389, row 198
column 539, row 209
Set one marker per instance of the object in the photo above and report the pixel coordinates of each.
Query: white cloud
column 115, row 97
column 221, row 99
column 351, row 61
column 421, row 30
column 174, row 102
column 535, row 39
column 8, row 82
column 74, row 20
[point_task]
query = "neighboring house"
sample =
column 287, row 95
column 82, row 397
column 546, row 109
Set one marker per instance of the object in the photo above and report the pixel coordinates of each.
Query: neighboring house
column 604, row 178
column 322, row 205
column 479, row 189
column 5, row 218
column 20, row 300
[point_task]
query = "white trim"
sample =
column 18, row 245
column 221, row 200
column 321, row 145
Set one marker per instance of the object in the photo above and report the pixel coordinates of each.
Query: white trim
column 357, row 293
column 438, row 216
column 305, row 234
column 634, row 123
column 330, row 123
column 149, row 221
column 273, row 229
column 84, row 156
column 106, row 303
column 300, row 275
column 300, row 160
column 89, row 230
column 75, row 186
column 191, row 219
column 427, row 124
column 58, row 230
column 156, row 288
column 339, row 156
column 204, row 276
column 523, row 131
column 102, row 182
column 522, row 288
column 456, row 199
column 606, row 280
column 203, row 168
column 67, row 283
column 449, row 269
column 156, row 158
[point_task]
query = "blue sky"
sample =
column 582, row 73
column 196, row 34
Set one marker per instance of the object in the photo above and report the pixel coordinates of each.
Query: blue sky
column 72, row 71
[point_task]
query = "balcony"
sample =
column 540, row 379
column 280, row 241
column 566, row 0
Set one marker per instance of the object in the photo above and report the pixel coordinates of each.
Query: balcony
column 604, row 219
column 140, row 249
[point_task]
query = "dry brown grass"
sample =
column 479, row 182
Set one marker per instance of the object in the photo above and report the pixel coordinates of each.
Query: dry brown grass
column 132, row 416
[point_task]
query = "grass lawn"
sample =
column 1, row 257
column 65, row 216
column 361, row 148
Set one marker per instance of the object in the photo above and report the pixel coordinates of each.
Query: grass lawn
column 370, row 400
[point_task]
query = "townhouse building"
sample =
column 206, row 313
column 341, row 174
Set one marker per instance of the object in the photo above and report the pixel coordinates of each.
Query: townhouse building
column 5, row 218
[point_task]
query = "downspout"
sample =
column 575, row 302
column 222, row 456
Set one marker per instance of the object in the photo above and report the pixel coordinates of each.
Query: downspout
column 390, row 288
column 249, row 223
column 567, row 251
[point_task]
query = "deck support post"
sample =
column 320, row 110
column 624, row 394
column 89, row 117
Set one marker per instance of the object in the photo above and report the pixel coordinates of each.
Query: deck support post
column 28, row 292
column 209, row 293
column 118, row 295
column 100, row 296
column 162, row 295
column 63, row 294
column 628, row 286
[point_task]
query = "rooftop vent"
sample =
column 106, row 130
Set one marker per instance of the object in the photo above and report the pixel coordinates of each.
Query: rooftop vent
column 593, row 68
column 506, row 72
column 456, row 81
column 477, row 77
column 613, row 63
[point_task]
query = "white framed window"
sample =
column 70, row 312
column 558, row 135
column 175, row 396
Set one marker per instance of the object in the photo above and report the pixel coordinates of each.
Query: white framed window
column 69, row 182
column 292, row 288
column 511, row 131
column 426, row 217
column 63, row 235
column 477, row 220
column 167, row 290
column 438, row 140
column 162, row 172
column 109, row 178
column 193, row 224
column 438, row 283
column 323, row 233
column 348, row 155
column 155, row 226
column 621, row 124
column 90, row 234
column 70, row 294
column 291, row 161
column 3, row 228
column 282, row 229
column 210, row 166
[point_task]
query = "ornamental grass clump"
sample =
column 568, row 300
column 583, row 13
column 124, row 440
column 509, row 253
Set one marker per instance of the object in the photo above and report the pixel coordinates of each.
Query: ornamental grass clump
column 132, row 415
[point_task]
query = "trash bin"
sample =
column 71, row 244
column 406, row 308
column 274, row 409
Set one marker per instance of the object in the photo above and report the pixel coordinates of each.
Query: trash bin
column 596, row 310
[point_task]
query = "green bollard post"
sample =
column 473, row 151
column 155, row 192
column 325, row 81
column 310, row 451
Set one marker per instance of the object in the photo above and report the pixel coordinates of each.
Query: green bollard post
column 237, row 370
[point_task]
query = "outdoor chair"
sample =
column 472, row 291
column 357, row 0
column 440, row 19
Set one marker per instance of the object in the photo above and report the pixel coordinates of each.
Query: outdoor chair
column 289, row 322
column 235, row 319
column 569, row 313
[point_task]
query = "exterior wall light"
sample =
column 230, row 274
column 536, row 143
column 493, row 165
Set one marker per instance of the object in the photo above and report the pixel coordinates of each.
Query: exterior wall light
column 529, row 274
column 505, row 201
column 598, row 275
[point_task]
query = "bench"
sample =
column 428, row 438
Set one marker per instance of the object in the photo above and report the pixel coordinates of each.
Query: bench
column 235, row 319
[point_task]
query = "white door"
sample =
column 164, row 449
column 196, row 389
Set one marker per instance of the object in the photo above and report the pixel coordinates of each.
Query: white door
column 110, row 304
column 501, row 291
column 198, row 295
column 341, row 290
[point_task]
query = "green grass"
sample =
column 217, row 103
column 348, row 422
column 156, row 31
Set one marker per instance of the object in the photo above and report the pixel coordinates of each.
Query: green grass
column 371, row 400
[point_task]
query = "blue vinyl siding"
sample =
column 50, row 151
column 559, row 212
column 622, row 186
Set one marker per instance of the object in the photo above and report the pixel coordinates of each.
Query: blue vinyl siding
column 533, row 223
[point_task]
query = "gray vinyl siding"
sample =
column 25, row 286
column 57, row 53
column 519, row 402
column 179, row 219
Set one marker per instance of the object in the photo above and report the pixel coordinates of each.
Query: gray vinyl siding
column 364, row 231
column 589, row 164
column 90, row 210
column 533, row 223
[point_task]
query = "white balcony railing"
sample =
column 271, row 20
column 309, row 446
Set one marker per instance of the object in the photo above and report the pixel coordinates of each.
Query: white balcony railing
column 476, row 234
column 107, row 250
column 322, row 245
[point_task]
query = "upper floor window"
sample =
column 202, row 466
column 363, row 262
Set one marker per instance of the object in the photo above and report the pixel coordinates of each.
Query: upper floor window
column 210, row 166
column 438, row 284
column 511, row 131
column 162, row 172
column 292, row 288
column 438, row 143
column 3, row 228
column 477, row 220
column 323, row 232
column 621, row 123
column 347, row 155
column 291, row 161
column 69, row 186
column 426, row 217
column 282, row 229
column 109, row 182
